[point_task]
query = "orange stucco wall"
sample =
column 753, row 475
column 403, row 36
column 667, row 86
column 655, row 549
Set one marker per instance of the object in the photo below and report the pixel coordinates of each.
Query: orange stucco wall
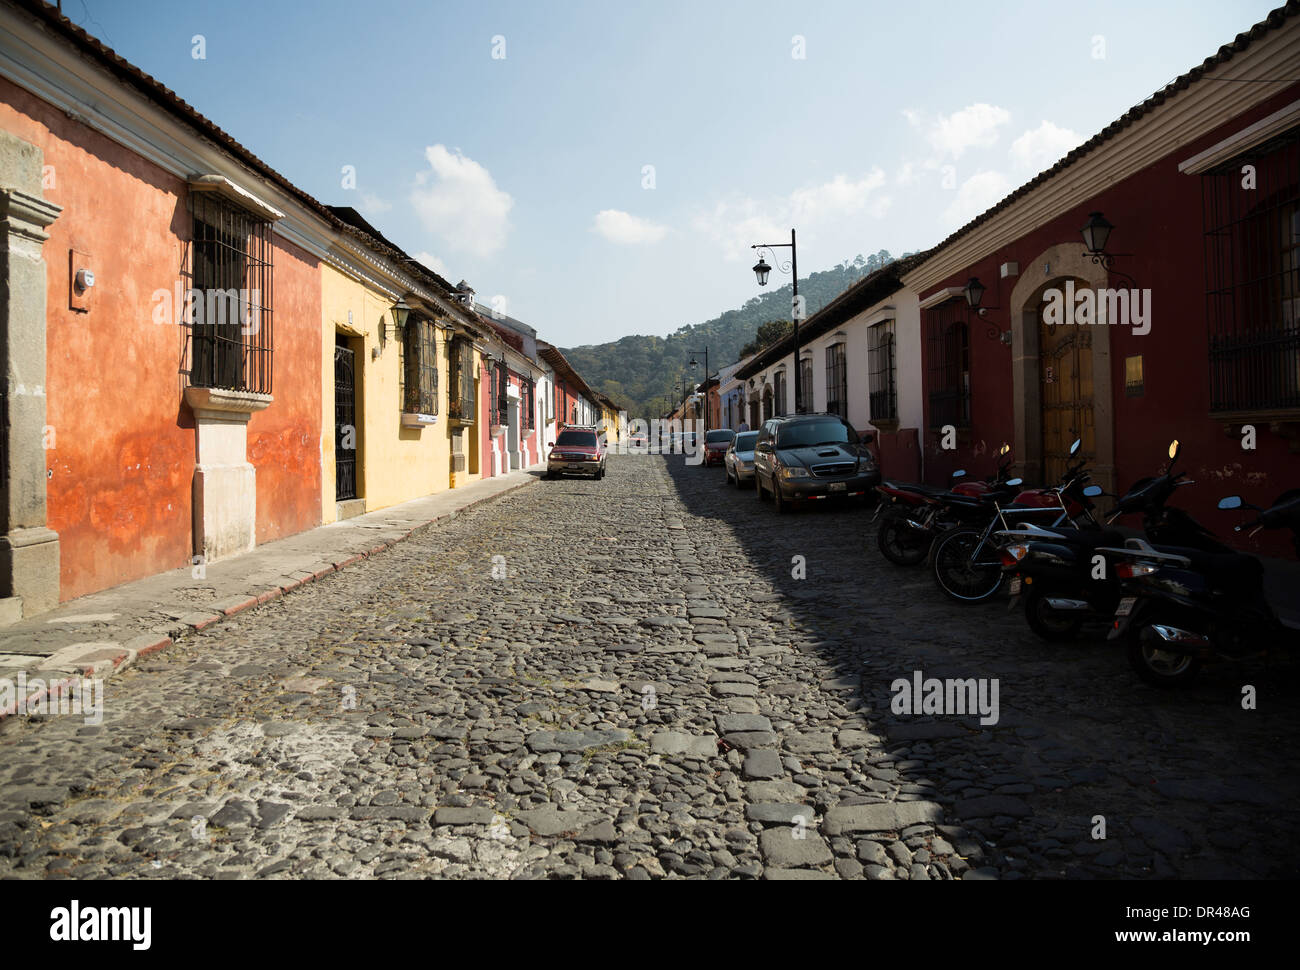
column 122, row 462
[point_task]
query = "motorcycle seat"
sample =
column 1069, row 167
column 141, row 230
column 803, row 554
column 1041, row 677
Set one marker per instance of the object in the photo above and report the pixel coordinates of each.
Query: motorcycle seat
column 1231, row 570
column 1091, row 538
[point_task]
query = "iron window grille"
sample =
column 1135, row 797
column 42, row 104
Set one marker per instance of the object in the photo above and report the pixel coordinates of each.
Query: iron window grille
column 881, row 365
column 418, row 367
column 948, row 336
column 806, row 405
column 460, row 402
column 837, row 381
column 345, row 417
column 499, row 400
column 530, row 405
column 1252, row 269
column 228, row 318
column 778, row 392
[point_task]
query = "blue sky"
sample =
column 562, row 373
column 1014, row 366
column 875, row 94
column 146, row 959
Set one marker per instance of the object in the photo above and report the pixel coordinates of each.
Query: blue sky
column 526, row 173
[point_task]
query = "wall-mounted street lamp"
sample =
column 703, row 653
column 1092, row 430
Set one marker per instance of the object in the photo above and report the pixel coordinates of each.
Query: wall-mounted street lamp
column 974, row 292
column 401, row 313
column 1096, row 232
column 791, row 266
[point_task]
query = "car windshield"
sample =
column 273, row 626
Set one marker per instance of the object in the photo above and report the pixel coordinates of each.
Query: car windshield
column 718, row 437
column 587, row 438
column 745, row 442
column 806, row 434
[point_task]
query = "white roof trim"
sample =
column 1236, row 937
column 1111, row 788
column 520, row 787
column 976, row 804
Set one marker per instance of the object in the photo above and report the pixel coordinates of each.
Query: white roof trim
column 1260, row 131
column 941, row 296
column 240, row 196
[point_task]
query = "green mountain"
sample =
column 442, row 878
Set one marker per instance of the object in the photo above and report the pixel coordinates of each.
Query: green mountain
column 638, row 372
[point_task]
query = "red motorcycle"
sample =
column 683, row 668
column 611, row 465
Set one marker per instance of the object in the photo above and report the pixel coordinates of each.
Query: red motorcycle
column 915, row 514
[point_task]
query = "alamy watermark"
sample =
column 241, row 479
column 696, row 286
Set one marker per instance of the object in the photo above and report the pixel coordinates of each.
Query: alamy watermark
column 38, row 697
column 930, row 695
column 1088, row 307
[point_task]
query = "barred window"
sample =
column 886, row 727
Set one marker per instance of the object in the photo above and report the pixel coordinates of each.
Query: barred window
column 837, row 381
column 778, row 392
column 500, row 394
column 948, row 337
column 419, row 367
column 1252, row 264
column 881, row 364
column 228, row 318
column 530, row 405
column 460, row 395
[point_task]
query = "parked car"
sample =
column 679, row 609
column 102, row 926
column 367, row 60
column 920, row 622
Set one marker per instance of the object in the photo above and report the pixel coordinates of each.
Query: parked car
column 577, row 451
column 716, row 444
column 739, row 460
column 812, row 457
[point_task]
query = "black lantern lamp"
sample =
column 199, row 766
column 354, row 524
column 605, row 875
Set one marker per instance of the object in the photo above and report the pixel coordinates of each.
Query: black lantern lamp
column 974, row 293
column 1096, row 233
column 761, row 269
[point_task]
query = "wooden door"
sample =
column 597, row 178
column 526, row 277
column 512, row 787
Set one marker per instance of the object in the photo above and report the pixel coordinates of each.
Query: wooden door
column 1065, row 380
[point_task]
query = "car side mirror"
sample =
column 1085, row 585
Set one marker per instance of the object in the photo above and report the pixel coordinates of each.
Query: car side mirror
column 1230, row 502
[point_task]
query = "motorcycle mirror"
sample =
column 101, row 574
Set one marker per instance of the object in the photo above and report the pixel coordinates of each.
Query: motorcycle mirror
column 1092, row 491
column 1074, row 448
column 1015, row 481
column 959, row 473
column 1004, row 449
column 1230, row 502
column 1173, row 449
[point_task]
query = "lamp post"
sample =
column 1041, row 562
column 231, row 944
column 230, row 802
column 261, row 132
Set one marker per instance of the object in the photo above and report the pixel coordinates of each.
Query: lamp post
column 761, row 269
column 695, row 363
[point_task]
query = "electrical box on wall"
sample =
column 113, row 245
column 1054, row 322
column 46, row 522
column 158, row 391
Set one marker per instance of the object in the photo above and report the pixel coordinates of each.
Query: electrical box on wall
column 81, row 281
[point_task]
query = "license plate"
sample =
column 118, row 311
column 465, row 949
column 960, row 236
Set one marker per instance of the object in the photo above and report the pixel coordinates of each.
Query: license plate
column 837, row 487
column 574, row 465
column 1125, row 606
column 1014, row 588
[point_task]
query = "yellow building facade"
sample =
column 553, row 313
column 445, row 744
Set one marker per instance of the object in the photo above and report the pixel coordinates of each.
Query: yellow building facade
column 387, row 436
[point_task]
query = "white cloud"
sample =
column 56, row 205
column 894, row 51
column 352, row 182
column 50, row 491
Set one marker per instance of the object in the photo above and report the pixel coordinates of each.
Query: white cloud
column 1040, row 148
column 372, row 204
column 459, row 202
column 626, row 229
column 976, row 194
column 974, row 126
column 737, row 224
column 433, row 262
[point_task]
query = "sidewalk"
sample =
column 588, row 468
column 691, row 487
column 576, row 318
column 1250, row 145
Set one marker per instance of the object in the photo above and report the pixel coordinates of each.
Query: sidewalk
column 99, row 634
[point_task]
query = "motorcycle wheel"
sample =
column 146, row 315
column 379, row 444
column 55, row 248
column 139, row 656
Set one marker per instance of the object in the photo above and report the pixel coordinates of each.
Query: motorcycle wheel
column 900, row 543
column 959, row 579
column 1159, row 668
column 1052, row 625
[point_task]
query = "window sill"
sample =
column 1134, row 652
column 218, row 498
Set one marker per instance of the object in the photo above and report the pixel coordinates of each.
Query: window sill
column 216, row 399
column 411, row 419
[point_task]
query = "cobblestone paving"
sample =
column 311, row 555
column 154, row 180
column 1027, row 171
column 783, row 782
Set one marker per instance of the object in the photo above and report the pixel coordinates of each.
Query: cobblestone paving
column 647, row 692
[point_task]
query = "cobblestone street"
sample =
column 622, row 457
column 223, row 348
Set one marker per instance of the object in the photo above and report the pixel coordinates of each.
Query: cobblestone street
column 648, row 691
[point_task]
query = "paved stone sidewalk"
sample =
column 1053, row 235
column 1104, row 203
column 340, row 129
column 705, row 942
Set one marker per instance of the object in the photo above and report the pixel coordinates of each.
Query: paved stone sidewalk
column 101, row 634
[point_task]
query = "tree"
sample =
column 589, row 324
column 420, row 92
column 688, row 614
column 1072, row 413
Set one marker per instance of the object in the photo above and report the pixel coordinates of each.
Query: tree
column 768, row 334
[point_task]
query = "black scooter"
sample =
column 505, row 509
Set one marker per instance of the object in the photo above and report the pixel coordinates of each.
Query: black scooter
column 1182, row 607
column 1063, row 577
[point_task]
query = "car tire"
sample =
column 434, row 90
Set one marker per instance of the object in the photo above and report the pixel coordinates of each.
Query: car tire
column 758, row 486
column 781, row 503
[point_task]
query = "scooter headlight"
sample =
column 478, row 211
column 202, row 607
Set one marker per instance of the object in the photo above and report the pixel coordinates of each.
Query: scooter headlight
column 1012, row 554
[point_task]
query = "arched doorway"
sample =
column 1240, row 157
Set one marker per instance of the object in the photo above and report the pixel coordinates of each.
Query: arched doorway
column 767, row 402
column 1061, row 376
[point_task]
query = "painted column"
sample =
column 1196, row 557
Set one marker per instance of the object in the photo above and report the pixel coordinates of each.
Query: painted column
column 29, row 551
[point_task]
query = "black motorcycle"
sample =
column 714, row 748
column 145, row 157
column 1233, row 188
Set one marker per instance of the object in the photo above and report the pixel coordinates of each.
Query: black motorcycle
column 912, row 515
column 1065, row 578
column 1183, row 607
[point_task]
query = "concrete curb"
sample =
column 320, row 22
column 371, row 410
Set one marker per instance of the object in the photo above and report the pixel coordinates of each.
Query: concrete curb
column 150, row 643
